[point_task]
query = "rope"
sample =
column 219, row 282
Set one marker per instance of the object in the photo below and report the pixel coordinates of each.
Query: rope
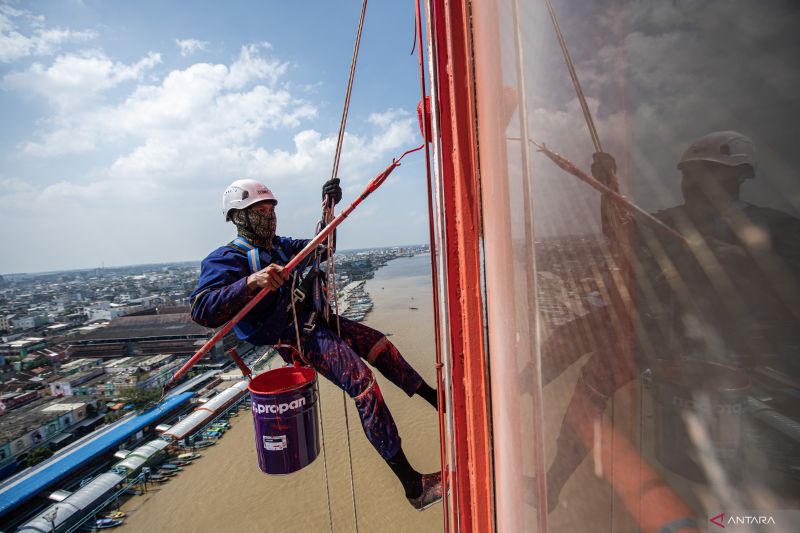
column 332, row 282
column 319, row 400
column 587, row 115
column 346, row 109
column 327, row 218
column 331, row 275
column 294, row 318
column 325, row 460
column 426, row 134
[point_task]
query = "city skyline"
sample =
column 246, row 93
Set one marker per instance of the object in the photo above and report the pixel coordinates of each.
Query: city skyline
column 183, row 262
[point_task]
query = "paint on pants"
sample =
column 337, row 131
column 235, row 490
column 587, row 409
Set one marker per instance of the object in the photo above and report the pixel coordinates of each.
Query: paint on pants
column 341, row 359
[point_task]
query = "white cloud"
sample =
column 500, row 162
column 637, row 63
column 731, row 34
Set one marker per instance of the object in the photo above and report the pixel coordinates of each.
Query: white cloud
column 167, row 165
column 386, row 118
column 77, row 79
column 39, row 41
column 312, row 156
column 400, row 132
column 233, row 104
column 15, row 185
column 251, row 66
column 194, row 126
column 190, row 46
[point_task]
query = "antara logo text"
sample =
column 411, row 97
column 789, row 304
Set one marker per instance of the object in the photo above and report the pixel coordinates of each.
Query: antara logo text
column 741, row 520
column 279, row 408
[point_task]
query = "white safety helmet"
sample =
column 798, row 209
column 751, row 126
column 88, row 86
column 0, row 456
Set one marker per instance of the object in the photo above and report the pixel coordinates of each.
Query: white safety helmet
column 241, row 194
column 729, row 148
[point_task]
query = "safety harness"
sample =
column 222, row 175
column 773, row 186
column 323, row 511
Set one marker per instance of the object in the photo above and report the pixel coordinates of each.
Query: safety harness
column 307, row 295
column 254, row 253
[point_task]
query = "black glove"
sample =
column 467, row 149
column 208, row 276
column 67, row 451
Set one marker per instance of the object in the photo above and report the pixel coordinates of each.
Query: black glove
column 603, row 162
column 604, row 169
column 332, row 190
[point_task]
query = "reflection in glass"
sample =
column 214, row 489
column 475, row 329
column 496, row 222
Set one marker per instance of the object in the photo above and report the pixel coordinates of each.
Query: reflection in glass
column 660, row 351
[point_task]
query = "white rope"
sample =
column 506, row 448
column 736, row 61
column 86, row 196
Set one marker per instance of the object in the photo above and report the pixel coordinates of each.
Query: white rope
column 325, row 460
column 331, row 273
column 294, row 319
column 346, row 109
column 319, row 401
column 587, row 115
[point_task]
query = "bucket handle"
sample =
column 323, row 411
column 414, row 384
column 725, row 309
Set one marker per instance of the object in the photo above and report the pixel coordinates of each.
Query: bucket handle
column 297, row 358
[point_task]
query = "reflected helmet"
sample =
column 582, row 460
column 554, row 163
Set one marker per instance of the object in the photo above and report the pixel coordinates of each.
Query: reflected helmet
column 729, row 148
column 241, row 194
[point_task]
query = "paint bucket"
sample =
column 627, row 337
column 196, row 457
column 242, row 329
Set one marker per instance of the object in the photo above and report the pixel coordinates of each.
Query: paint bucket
column 717, row 395
column 286, row 415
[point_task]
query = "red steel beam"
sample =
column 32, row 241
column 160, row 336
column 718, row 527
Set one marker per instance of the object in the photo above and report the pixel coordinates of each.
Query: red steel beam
column 473, row 497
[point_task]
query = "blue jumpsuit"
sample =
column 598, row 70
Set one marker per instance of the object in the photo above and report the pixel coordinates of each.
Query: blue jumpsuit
column 222, row 290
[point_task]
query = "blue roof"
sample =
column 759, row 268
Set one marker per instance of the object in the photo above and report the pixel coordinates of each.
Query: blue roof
column 59, row 467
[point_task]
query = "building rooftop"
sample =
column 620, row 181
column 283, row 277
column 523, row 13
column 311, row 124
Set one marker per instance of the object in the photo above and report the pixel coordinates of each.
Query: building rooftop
column 124, row 361
column 78, row 362
column 156, row 359
column 75, row 377
column 144, row 326
column 63, row 407
column 21, row 381
column 92, row 327
column 25, row 419
column 32, row 415
column 22, row 487
column 27, row 341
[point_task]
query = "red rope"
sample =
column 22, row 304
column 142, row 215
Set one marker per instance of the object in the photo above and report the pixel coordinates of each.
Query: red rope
column 426, row 134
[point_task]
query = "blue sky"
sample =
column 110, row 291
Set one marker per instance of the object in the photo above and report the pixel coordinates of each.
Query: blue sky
column 123, row 122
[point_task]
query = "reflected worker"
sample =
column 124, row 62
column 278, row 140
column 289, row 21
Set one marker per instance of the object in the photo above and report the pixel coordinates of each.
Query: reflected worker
column 729, row 296
column 232, row 274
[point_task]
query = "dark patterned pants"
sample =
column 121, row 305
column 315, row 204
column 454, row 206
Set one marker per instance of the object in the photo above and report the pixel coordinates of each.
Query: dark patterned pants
column 341, row 359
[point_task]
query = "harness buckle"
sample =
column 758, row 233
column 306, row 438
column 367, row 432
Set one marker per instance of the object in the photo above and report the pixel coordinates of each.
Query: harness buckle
column 299, row 295
column 311, row 323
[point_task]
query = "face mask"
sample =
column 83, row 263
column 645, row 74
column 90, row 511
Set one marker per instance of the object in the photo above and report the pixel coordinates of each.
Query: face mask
column 256, row 226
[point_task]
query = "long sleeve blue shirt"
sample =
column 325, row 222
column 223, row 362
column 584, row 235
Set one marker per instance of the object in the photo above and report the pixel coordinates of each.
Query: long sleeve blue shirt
column 222, row 291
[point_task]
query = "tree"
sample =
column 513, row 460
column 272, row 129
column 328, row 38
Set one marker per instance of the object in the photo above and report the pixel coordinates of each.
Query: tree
column 140, row 397
column 38, row 455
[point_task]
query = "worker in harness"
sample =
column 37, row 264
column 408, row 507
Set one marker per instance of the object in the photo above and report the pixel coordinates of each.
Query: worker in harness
column 730, row 296
column 234, row 273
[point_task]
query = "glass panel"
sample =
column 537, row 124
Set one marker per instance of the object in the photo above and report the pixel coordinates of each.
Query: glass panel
column 657, row 323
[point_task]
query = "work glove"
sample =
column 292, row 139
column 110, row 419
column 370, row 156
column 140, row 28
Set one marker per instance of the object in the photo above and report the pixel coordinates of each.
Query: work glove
column 604, row 169
column 332, row 190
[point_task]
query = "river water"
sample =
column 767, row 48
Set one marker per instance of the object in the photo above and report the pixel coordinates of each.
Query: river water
column 225, row 490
